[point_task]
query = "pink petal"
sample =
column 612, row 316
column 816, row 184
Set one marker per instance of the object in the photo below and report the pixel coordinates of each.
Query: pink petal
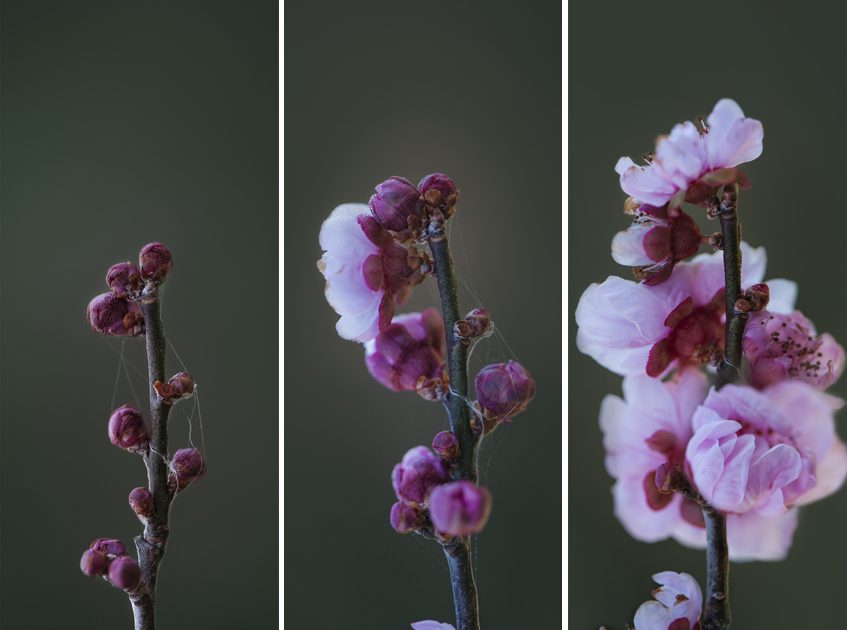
column 732, row 138
column 628, row 246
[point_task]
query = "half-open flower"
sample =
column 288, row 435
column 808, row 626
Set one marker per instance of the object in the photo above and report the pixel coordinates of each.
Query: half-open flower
column 409, row 351
column 677, row 605
column 367, row 272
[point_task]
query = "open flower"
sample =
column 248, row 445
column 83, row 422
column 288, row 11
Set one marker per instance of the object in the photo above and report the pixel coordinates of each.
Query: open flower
column 786, row 346
column 410, row 349
column 649, row 428
column 691, row 162
column 677, row 606
column 655, row 242
column 630, row 328
column 367, row 272
column 765, row 451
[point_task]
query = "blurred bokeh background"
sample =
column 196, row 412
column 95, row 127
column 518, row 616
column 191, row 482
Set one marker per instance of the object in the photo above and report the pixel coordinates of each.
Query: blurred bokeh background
column 635, row 70
column 379, row 88
column 124, row 123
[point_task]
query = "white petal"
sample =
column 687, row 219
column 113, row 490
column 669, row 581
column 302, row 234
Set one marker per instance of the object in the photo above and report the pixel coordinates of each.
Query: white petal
column 783, row 296
column 628, row 246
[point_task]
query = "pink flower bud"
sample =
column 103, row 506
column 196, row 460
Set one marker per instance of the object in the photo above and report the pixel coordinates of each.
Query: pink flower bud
column 396, row 205
column 108, row 546
column 438, row 190
column 780, row 347
column 127, row 429
column 419, row 472
column 155, row 261
column 446, row 445
column 186, row 466
column 412, row 347
column 110, row 314
column 459, row 508
column 405, row 518
column 125, row 573
column 504, row 390
column 141, row 502
column 94, row 563
column 124, row 279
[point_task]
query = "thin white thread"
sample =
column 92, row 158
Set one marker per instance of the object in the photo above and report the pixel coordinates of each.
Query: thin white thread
column 117, row 378
column 129, row 380
column 115, row 350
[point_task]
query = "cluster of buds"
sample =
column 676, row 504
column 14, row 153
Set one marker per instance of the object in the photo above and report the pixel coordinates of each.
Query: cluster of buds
column 117, row 312
column 404, row 209
column 107, row 557
column 179, row 386
column 429, row 501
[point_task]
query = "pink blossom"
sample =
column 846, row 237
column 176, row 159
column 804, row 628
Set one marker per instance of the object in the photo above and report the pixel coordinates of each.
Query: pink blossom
column 367, row 272
column 651, row 427
column 778, row 347
column 693, row 160
column 630, row 328
column 410, row 349
column 655, row 242
column 417, row 474
column 765, row 451
column 431, row 625
column 677, row 606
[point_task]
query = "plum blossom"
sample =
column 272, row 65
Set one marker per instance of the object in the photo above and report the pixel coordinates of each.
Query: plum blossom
column 765, row 451
column 367, row 272
column 650, row 427
column 655, row 242
column 630, row 328
column 459, row 508
column 677, row 606
column 409, row 352
column 691, row 162
column 782, row 346
column 417, row 474
column 431, row 625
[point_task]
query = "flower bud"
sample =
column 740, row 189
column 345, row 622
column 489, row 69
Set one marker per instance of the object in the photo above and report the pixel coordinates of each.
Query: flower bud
column 125, row 573
column 124, row 279
column 186, row 466
column 459, row 508
column 94, row 563
column 396, row 204
column 155, row 261
column 446, row 445
column 476, row 324
column 419, row 472
column 110, row 314
column 180, row 385
column 439, row 191
column 405, row 518
column 127, row 429
column 504, row 389
column 141, row 502
column 108, row 546
column 412, row 347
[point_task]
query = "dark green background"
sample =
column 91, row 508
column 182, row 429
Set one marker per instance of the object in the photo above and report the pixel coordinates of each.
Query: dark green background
column 125, row 122
column 374, row 89
column 635, row 70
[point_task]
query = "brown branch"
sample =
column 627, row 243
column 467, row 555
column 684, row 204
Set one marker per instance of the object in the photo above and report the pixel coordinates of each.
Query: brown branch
column 458, row 549
column 151, row 543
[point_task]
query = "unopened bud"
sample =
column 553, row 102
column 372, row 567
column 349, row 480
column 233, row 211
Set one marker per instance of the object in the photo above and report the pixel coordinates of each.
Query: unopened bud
column 476, row 324
column 459, row 508
column 405, row 518
column 186, row 466
column 504, row 389
column 124, row 279
column 94, row 563
column 439, row 191
column 141, row 502
column 180, row 385
column 417, row 474
column 446, row 445
column 155, row 261
column 125, row 573
column 127, row 429
column 109, row 546
column 110, row 314
column 396, row 204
